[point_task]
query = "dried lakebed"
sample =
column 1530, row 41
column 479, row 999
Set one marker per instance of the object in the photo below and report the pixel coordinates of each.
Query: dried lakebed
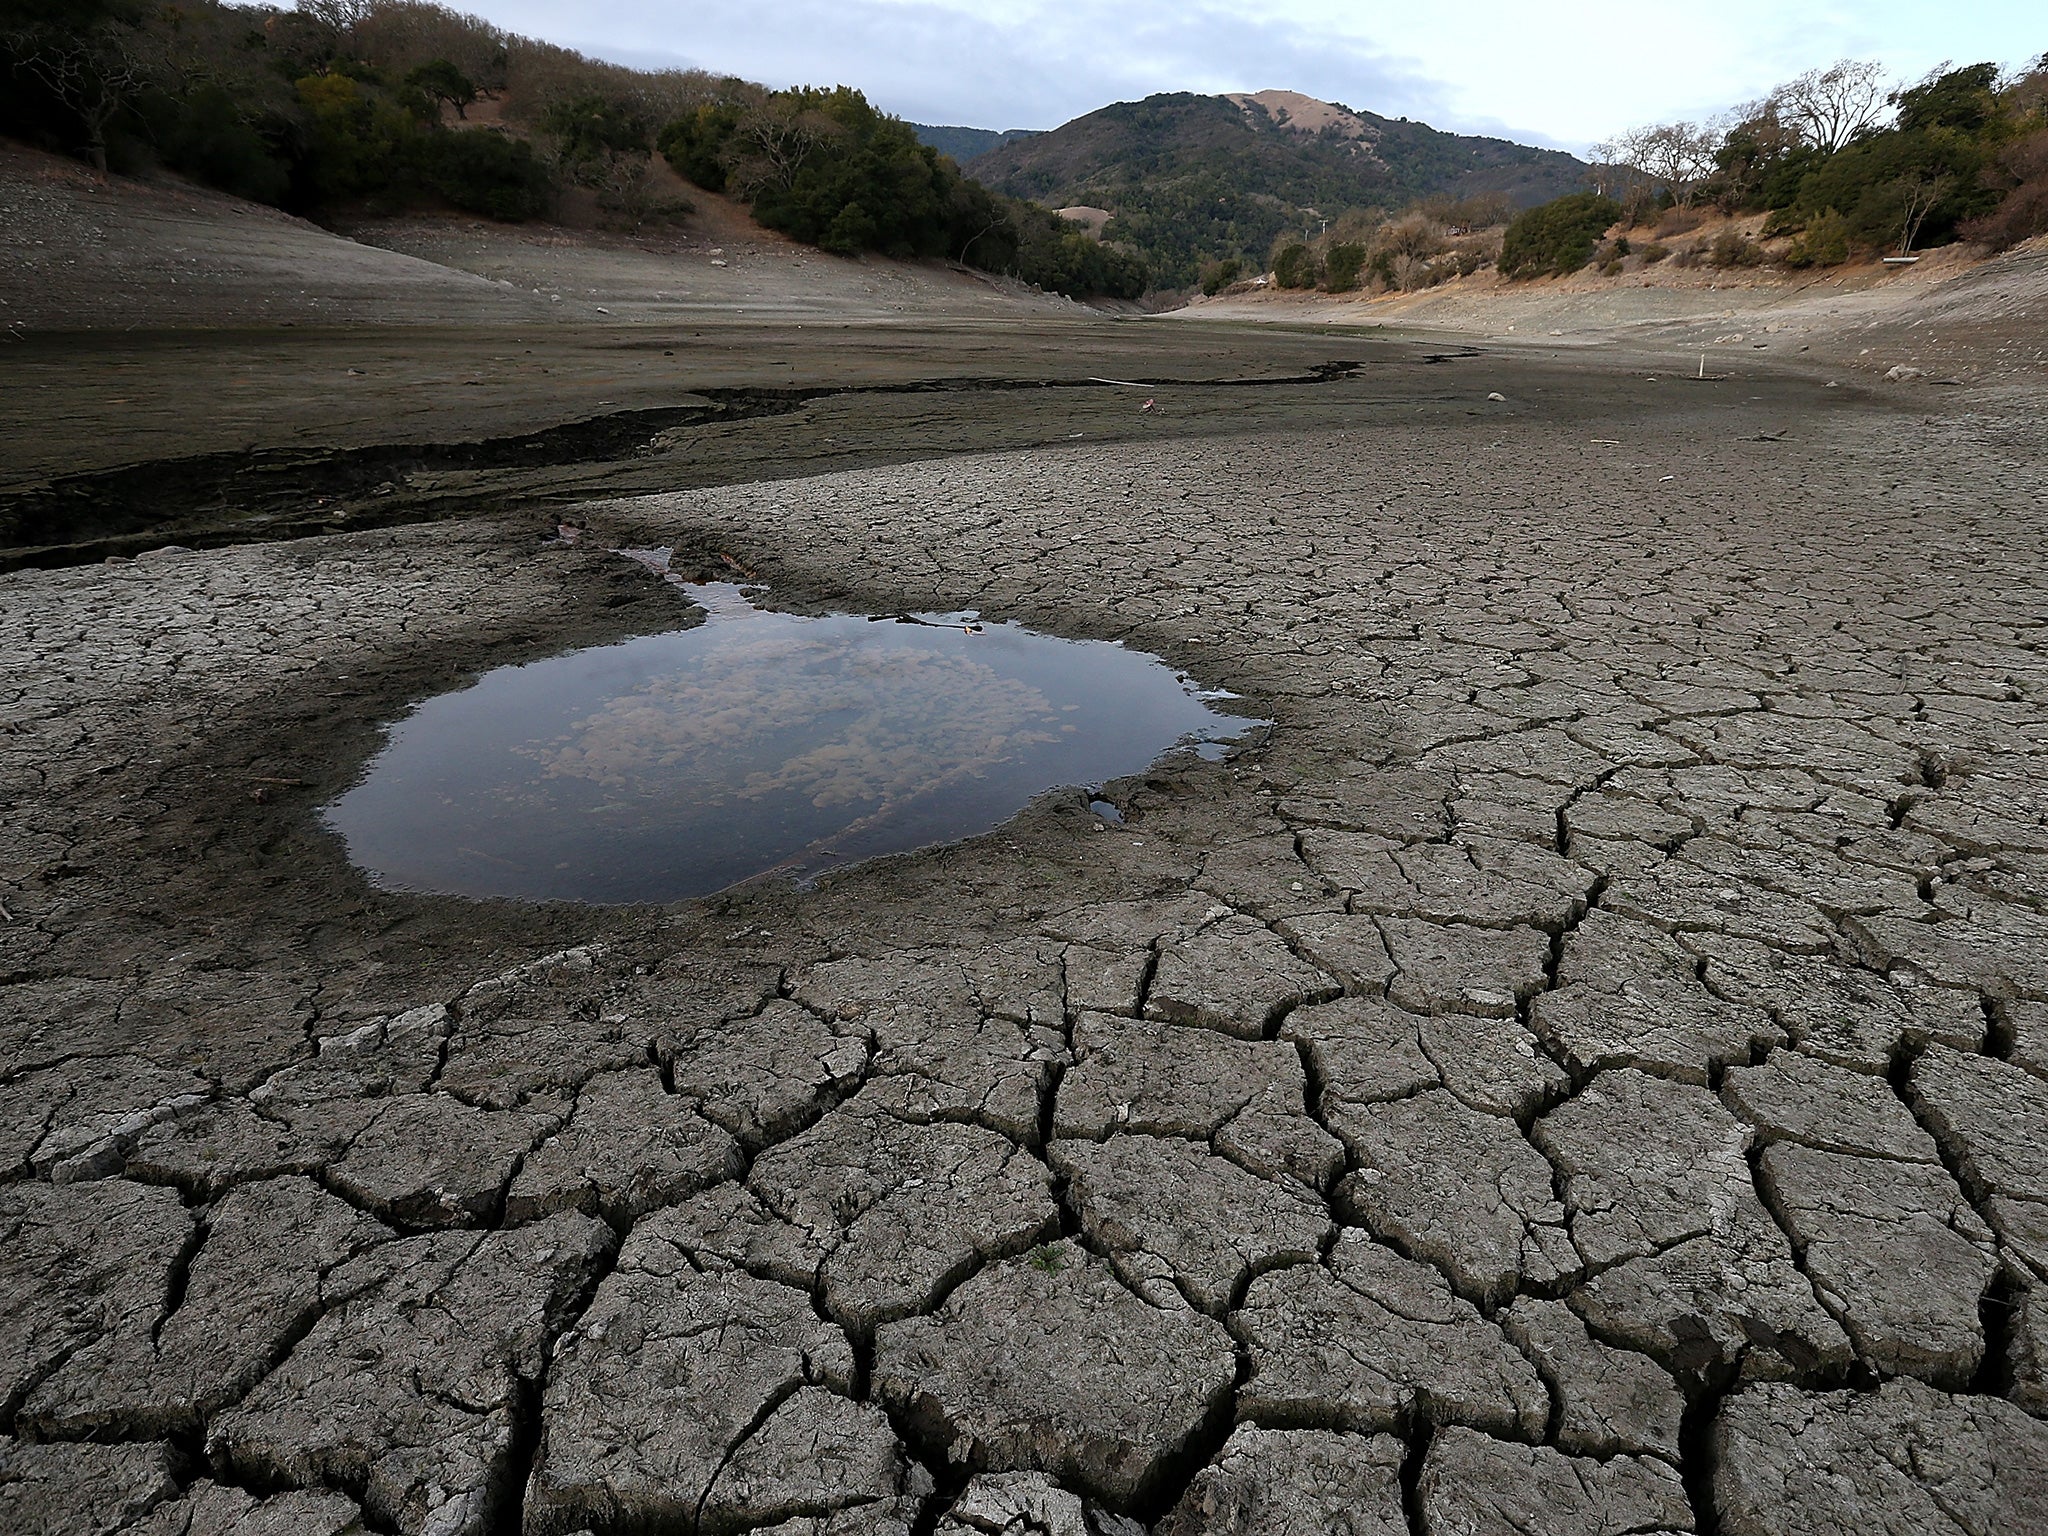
column 1586, row 1072
column 757, row 743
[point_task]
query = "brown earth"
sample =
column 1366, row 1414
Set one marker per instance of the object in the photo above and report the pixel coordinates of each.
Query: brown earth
column 1583, row 1070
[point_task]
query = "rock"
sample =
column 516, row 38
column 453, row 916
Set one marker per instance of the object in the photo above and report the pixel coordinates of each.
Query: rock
column 630, row 1147
column 1895, row 1252
column 1901, row 1461
column 1249, row 1098
column 1235, row 976
column 430, row 1160
column 766, row 1077
column 1457, row 968
column 80, row 1263
column 1473, row 1485
column 818, row 1454
column 898, row 1213
column 663, row 1376
column 1794, row 1097
column 1690, row 1267
column 1608, row 1400
column 83, row 1490
column 409, row 1386
column 1046, row 1363
column 1028, row 1504
column 253, row 1286
column 1168, row 1212
column 1370, row 1340
column 1988, row 1114
column 1298, row 1482
column 1461, row 1189
column 1899, row 373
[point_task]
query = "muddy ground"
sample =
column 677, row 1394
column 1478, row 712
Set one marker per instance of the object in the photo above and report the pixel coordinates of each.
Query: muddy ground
column 1585, row 1069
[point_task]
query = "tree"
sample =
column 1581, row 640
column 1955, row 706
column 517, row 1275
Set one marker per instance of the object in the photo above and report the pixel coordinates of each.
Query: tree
column 440, row 81
column 1674, row 158
column 1829, row 107
column 91, row 72
column 1557, row 237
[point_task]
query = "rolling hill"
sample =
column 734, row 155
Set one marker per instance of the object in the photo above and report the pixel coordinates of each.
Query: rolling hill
column 1195, row 177
column 963, row 144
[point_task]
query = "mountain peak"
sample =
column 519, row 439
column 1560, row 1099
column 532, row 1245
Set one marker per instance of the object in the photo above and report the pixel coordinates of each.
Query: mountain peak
column 1304, row 114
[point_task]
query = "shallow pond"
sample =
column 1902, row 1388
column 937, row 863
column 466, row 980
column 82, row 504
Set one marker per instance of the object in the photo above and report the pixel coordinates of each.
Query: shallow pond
column 758, row 742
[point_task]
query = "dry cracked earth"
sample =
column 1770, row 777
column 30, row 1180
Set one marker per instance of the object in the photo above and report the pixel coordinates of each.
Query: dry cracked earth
column 1584, row 1071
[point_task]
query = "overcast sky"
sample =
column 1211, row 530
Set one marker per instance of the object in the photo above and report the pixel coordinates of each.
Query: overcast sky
column 1532, row 70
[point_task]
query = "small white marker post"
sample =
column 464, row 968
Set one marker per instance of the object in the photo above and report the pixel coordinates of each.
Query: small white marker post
column 1703, row 365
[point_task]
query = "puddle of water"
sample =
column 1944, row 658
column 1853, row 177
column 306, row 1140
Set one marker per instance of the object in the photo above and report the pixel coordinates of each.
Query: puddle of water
column 679, row 764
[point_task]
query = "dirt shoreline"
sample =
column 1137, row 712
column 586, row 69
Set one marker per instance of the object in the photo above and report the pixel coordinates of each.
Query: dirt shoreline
column 1651, row 825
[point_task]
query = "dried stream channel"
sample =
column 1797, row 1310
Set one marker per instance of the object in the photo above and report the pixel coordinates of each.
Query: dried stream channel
column 678, row 764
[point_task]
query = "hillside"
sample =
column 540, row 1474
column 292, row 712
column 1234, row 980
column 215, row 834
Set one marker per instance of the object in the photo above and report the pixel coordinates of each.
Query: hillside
column 1196, row 177
column 964, row 144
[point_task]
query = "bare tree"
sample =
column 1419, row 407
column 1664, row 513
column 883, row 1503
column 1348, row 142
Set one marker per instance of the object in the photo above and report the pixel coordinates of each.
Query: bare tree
column 1829, row 107
column 774, row 139
column 1671, row 157
column 95, row 76
column 1918, row 194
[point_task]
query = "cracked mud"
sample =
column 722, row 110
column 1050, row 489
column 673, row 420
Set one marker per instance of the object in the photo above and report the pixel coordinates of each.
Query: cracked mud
column 1586, row 1071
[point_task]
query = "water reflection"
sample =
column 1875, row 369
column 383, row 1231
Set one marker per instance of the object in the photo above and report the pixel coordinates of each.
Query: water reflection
column 678, row 764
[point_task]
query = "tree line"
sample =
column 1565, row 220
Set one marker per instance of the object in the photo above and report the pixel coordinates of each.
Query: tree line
column 1848, row 164
column 365, row 104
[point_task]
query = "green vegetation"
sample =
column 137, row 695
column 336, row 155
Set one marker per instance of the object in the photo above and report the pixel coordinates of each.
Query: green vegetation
column 1219, row 275
column 1558, row 237
column 1197, row 179
column 365, row 104
column 825, row 167
column 963, row 144
column 1850, row 167
column 1295, row 266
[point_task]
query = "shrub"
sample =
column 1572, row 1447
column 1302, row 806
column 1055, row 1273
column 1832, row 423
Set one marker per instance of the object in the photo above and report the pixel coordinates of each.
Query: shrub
column 1732, row 248
column 1219, row 275
column 1679, row 221
column 1342, row 264
column 488, row 173
column 1824, row 243
column 695, row 144
column 2022, row 173
column 1295, row 266
column 1557, row 237
column 1611, row 266
column 1654, row 253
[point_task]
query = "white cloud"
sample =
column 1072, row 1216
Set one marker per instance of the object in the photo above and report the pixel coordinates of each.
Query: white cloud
column 1537, row 72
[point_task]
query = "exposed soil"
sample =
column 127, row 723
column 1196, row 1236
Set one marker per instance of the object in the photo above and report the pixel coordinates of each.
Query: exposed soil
column 1586, row 1069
